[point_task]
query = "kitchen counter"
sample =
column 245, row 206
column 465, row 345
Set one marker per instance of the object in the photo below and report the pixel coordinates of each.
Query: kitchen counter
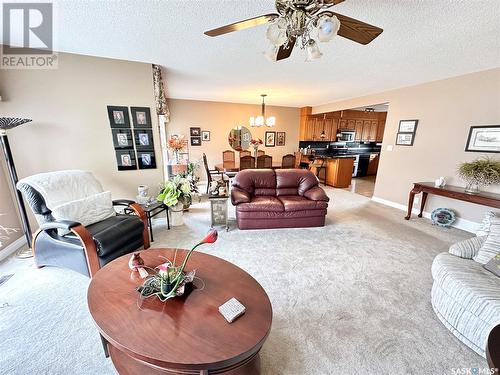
column 337, row 171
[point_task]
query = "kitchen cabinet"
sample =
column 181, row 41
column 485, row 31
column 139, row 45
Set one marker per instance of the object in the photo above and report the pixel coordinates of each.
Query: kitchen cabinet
column 351, row 124
column 358, row 128
column 338, row 172
column 365, row 135
column 309, row 134
column 380, row 131
column 343, row 124
column 373, row 164
column 373, row 131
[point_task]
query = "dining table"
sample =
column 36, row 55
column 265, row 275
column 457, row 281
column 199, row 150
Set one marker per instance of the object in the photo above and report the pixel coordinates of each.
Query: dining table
column 234, row 166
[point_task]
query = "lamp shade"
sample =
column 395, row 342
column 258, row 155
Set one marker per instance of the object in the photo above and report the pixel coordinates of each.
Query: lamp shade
column 313, row 52
column 328, row 28
column 276, row 32
column 12, row 122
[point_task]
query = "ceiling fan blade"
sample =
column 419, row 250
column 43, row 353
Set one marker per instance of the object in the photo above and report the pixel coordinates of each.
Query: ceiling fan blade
column 332, row 2
column 285, row 52
column 356, row 30
column 245, row 24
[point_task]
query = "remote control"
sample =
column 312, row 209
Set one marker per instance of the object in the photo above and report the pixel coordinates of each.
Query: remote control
column 232, row 309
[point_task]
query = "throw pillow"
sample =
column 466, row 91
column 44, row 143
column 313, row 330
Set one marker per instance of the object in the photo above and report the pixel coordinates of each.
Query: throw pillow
column 88, row 210
column 494, row 265
column 491, row 247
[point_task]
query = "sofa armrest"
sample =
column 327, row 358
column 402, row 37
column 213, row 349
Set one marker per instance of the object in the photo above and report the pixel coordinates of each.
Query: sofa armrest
column 468, row 248
column 59, row 224
column 239, row 196
column 140, row 213
column 316, row 194
column 122, row 202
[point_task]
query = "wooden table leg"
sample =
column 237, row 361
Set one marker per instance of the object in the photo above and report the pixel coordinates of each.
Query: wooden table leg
column 413, row 191
column 422, row 204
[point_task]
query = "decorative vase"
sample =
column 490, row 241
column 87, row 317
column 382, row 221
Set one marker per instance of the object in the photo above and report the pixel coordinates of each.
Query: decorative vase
column 176, row 214
column 472, row 187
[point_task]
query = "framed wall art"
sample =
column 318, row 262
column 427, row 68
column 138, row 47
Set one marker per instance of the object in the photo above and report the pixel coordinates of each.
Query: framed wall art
column 118, row 117
column 483, row 138
column 407, row 126
column 405, row 139
column 126, row 160
column 205, row 135
column 141, row 117
column 122, row 138
column 143, row 139
column 270, row 139
column 280, row 138
column 146, row 159
column 195, row 132
column 195, row 141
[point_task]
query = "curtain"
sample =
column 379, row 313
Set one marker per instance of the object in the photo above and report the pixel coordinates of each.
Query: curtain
column 160, row 97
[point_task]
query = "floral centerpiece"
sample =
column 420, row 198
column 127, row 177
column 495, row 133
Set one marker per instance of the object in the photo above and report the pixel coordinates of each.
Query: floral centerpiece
column 480, row 172
column 255, row 143
column 169, row 280
column 176, row 144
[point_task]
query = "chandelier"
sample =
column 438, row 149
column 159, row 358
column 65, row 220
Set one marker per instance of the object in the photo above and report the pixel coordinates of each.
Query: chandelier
column 300, row 23
column 262, row 119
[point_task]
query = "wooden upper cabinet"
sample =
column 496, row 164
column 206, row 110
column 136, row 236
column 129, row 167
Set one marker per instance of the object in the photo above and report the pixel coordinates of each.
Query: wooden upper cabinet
column 359, row 130
column 373, row 130
column 310, row 129
column 343, row 124
column 380, row 131
column 351, row 124
column 365, row 135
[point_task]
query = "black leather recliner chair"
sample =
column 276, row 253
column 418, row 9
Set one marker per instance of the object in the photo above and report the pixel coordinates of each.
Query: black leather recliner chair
column 84, row 249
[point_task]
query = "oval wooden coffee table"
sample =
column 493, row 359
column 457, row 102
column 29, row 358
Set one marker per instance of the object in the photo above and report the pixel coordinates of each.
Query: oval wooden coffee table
column 184, row 335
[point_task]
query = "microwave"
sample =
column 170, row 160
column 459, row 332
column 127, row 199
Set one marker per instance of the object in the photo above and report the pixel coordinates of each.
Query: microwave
column 346, row 136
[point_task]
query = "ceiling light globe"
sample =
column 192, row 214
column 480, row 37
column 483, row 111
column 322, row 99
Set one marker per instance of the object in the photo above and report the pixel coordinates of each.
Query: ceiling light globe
column 259, row 121
column 276, row 34
column 328, row 27
column 313, row 52
column 271, row 121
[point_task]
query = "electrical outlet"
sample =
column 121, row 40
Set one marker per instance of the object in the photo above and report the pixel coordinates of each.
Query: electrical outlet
column 390, row 147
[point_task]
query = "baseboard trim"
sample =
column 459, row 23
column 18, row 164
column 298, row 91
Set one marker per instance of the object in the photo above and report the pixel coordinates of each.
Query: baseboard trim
column 12, row 248
column 463, row 224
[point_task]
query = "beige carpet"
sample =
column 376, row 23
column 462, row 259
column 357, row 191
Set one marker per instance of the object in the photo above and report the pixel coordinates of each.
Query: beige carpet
column 350, row 298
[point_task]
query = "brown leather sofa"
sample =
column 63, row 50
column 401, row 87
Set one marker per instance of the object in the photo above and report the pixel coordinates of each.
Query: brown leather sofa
column 285, row 198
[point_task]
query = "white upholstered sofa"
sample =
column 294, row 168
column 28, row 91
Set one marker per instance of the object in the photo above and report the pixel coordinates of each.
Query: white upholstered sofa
column 465, row 296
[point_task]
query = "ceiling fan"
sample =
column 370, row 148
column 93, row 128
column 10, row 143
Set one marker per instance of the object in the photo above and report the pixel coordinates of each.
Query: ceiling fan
column 305, row 23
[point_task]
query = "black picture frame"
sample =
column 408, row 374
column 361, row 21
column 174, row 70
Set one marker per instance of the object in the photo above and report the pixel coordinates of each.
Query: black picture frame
column 141, row 117
column 118, row 116
column 205, row 135
column 195, row 141
column 400, row 142
column 474, row 131
column 122, row 139
column 146, row 159
column 195, row 132
column 144, row 139
column 121, row 160
column 406, row 123
column 280, row 138
column 270, row 139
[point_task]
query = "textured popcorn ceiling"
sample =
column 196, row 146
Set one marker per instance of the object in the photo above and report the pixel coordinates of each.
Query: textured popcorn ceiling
column 423, row 40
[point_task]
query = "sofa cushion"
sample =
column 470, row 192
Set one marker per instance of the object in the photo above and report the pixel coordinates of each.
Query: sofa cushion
column 298, row 203
column 491, row 246
column 278, row 215
column 262, row 204
column 470, row 285
column 256, row 181
column 300, row 179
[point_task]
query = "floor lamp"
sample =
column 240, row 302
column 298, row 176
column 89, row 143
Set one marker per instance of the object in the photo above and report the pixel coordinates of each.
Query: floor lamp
column 5, row 124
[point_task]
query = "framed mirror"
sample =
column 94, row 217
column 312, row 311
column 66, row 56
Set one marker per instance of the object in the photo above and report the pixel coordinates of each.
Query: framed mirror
column 239, row 138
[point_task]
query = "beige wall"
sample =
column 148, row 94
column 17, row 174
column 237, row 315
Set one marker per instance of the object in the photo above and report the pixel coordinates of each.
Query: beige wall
column 10, row 226
column 445, row 109
column 70, row 128
column 219, row 118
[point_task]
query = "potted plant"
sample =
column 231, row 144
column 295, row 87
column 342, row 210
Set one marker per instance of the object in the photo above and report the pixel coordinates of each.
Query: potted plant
column 176, row 193
column 190, row 175
column 480, row 172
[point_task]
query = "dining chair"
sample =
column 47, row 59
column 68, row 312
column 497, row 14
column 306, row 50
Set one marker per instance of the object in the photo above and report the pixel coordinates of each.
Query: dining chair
column 298, row 157
column 210, row 172
column 264, row 161
column 288, row 161
column 245, row 153
column 260, row 153
column 228, row 155
column 320, row 165
column 247, row 162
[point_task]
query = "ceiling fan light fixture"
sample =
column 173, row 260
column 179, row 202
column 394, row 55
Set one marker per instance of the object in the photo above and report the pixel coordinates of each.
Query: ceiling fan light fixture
column 271, row 53
column 328, row 27
column 313, row 52
column 276, row 32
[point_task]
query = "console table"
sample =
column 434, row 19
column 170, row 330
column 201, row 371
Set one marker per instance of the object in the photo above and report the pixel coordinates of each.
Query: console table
column 453, row 192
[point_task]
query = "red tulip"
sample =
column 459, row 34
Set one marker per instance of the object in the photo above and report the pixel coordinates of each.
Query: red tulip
column 211, row 236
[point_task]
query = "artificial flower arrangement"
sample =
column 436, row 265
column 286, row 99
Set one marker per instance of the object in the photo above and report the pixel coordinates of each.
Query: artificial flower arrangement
column 169, row 279
column 480, row 172
column 256, row 143
column 176, row 144
column 175, row 190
